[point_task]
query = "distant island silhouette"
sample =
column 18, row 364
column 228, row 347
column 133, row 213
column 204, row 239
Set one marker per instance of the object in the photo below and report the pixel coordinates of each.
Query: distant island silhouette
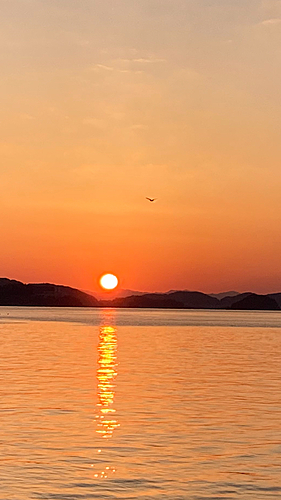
column 16, row 293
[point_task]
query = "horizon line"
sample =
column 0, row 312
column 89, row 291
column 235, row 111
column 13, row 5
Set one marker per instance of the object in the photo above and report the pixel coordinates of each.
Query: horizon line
column 111, row 292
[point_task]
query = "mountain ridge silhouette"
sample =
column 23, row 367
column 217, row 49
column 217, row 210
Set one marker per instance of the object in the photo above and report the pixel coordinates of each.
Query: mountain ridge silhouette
column 16, row 293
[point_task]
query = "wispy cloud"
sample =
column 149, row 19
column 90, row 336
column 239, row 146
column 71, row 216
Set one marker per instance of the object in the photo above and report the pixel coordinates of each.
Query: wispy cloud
column 26, row 117
column 270, row 22
column 115, row 68
column 98, row 67
column 135, row 63
column 138, row 126
column 143, row 60
column 94, row 122
column 140, row 60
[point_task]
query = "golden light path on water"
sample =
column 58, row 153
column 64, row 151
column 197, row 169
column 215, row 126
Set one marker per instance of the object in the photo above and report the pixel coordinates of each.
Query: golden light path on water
column 106, row 375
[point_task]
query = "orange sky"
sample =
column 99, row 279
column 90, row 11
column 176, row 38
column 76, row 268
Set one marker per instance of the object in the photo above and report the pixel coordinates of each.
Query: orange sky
column 105, row 103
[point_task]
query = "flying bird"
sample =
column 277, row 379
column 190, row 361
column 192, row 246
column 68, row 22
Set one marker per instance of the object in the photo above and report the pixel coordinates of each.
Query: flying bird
column 150, row 199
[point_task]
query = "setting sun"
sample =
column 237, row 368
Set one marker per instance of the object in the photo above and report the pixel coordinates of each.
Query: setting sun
column 108, row 281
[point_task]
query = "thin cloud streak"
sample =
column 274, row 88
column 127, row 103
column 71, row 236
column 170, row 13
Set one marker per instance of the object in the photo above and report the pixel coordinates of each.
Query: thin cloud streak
column 270, row 22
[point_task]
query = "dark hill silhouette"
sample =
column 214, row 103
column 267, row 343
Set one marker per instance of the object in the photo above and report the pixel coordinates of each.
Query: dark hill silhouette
column 221, row 295
column 173, row 300
column 256, row 302
column 15, row 293
column 226, row 302
column 148, row 300
column 195, row 300
column 113, row 294
column 276, row 297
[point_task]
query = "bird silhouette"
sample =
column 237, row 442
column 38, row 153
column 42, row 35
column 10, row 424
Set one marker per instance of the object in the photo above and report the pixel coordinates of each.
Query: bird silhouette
column 150, row 199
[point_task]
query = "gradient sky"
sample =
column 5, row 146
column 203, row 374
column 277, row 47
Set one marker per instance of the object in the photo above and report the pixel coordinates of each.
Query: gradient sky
column 105, row 103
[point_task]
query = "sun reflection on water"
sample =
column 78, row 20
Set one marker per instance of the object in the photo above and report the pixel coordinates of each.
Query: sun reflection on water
column 106, row 421
column 106, row 375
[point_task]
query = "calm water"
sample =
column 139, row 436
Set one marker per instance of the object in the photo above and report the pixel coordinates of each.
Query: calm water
column 140, row 404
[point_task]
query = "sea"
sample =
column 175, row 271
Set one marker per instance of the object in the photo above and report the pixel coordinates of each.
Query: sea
column 140, row 404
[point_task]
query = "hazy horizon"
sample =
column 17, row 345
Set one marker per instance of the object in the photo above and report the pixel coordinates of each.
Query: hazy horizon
column 106, row 103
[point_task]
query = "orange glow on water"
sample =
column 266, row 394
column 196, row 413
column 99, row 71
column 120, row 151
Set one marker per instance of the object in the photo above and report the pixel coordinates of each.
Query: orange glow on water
column 106, row 374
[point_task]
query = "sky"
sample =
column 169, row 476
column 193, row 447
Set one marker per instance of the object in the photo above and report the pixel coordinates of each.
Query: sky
column 105, row 103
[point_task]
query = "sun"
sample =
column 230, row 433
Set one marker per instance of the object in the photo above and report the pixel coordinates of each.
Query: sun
column 108, row 281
